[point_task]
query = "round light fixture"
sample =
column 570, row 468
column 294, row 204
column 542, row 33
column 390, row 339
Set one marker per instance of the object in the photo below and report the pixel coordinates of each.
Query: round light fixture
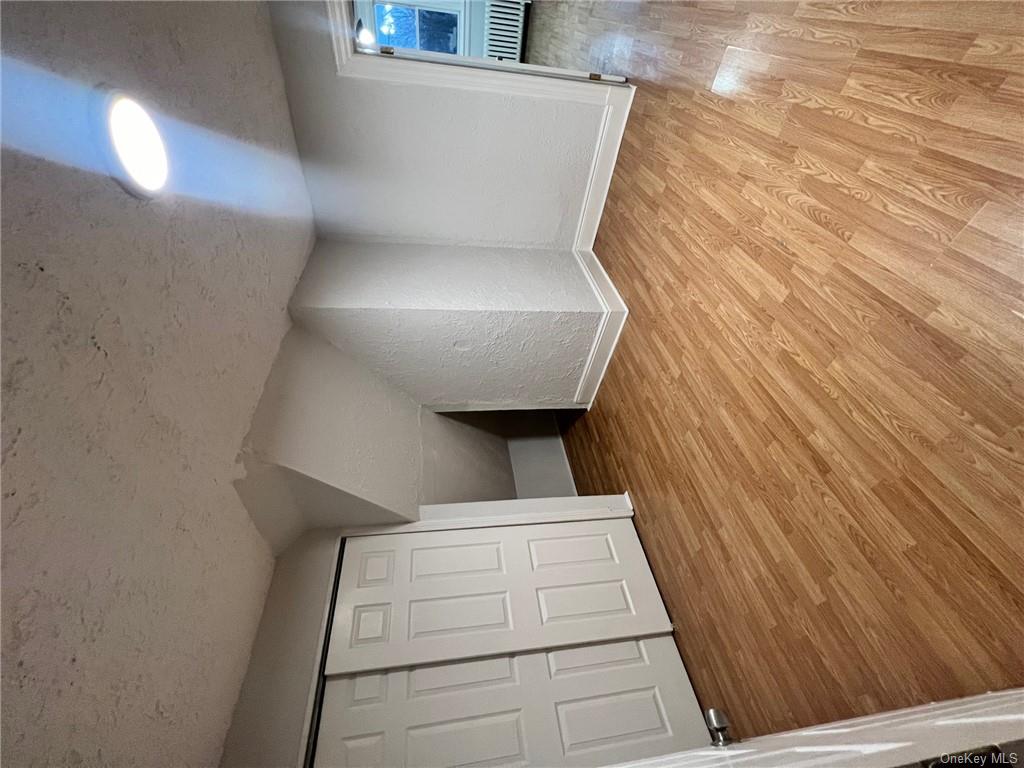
column 137, row 145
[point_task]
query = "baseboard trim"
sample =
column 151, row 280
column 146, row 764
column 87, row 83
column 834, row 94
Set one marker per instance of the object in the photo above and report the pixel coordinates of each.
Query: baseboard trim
column 607, row 337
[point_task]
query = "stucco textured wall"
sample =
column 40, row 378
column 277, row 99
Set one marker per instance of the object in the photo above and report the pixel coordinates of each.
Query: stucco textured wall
column 465, row 360
column 464, row 326
column 136, row 339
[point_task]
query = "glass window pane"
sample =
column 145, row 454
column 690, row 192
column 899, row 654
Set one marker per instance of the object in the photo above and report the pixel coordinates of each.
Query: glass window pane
column 439, row 31
column 396, row 25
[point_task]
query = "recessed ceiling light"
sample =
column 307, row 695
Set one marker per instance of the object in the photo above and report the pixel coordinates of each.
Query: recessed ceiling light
column 138, row 146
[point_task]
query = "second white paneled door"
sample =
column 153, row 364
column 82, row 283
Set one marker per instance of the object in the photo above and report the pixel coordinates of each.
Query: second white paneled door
column 580, row 706
column 420, row 598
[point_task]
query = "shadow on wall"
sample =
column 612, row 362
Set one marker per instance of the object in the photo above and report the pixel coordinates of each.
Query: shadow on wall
column 333, row 444
column 540, row 466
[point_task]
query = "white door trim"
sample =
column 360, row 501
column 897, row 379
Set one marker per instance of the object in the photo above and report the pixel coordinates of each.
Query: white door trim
column 487, row 514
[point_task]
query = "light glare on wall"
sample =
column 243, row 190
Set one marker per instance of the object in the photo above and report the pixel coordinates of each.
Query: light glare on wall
column 137, row 145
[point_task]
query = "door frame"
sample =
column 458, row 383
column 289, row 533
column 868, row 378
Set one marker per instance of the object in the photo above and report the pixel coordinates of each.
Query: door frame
column 491, row 514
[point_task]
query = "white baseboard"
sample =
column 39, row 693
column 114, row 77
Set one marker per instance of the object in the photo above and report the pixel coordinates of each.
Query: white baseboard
column 608, row 334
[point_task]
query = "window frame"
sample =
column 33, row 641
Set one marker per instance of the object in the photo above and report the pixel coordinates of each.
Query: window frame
column 366, row 12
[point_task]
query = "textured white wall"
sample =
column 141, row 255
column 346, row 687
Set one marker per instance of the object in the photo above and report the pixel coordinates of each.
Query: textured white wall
column 466, row 360
column 136, row 339
column 411, row 162
column 360, row 275
column 456, row 327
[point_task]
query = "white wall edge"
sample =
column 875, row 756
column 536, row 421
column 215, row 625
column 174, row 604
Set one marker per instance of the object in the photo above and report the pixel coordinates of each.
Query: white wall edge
column 607, row 337
column 489, row 514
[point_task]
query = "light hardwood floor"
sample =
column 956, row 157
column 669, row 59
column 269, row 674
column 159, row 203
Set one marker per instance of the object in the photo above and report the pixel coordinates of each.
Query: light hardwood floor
column 816, row 405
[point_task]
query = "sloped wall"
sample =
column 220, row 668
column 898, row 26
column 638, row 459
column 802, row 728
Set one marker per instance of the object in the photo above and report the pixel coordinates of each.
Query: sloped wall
column 333, row 444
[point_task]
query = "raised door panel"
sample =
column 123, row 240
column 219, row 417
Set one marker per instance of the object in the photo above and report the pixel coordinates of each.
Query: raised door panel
column 579, row 706
column 419, row 598
column 621, row 701
column 466, row 713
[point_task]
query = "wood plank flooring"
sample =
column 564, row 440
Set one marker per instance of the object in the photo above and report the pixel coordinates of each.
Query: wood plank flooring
column 816, row 221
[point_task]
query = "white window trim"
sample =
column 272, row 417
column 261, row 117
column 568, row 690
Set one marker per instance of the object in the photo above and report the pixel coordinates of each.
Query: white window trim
column 364, row 9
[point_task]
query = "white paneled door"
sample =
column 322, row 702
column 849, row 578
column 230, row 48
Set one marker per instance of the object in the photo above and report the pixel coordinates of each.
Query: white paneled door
column 420, row 598
column 579, row 706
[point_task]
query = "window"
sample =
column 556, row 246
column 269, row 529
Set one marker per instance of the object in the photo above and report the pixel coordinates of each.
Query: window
column 411, row 26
